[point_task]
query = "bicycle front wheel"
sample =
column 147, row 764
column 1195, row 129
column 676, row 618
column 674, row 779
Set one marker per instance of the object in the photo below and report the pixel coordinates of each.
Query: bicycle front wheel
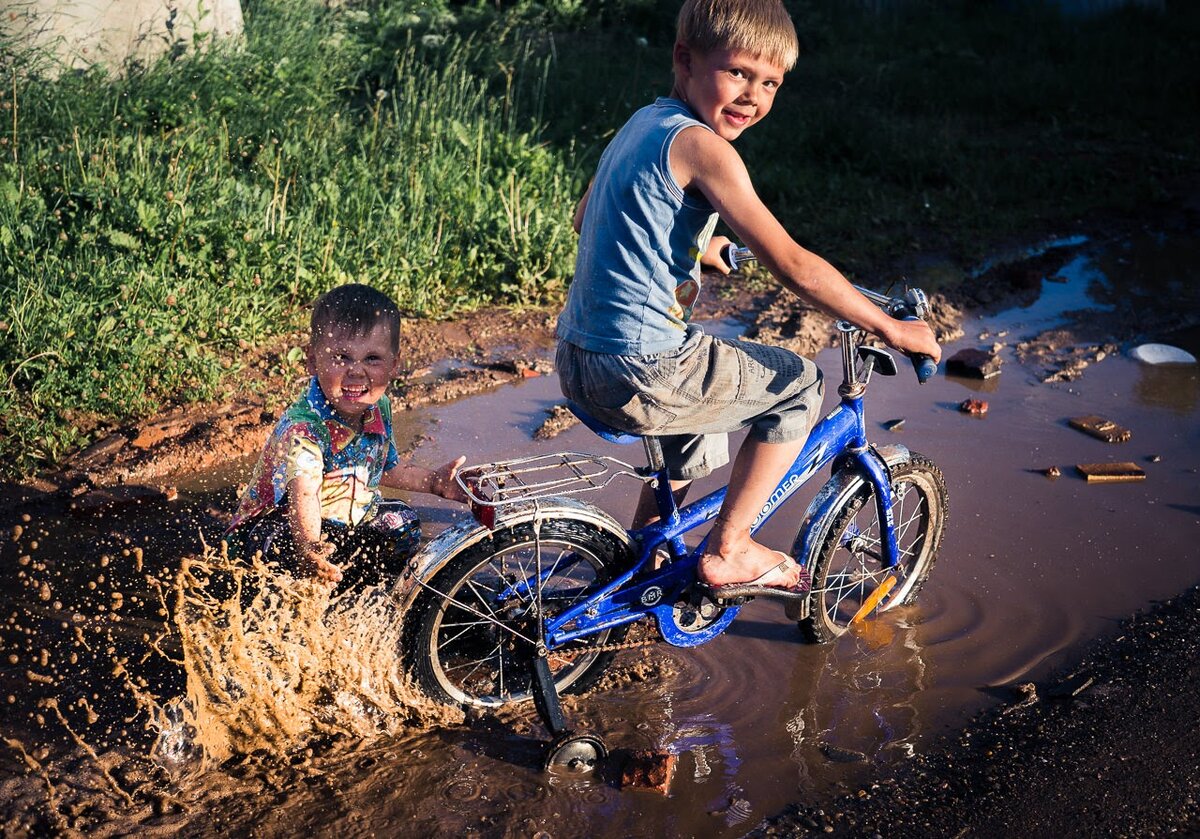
column 471, row 634
column 848, row 573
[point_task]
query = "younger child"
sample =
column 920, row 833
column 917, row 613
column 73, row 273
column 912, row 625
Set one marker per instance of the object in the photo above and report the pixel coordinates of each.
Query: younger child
column 313, row 504
column 627, row 353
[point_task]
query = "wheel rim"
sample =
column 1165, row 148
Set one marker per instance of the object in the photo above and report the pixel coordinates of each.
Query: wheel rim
column 856, row 569
column 575, row 755
column 480, row 654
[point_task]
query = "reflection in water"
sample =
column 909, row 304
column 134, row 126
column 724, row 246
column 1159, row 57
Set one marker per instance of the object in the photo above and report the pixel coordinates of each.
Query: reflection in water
column 859, row 705
column 1175, row 387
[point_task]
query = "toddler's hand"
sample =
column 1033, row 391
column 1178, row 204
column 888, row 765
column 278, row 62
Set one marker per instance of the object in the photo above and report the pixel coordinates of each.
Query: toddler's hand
column 443, row 483
column 314, row 562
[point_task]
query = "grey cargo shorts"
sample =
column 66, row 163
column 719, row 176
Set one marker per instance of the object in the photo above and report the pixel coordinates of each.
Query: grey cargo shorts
column 694, row 396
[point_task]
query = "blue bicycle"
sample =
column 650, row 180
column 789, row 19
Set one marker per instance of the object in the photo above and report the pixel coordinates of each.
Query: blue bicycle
column 537, row 595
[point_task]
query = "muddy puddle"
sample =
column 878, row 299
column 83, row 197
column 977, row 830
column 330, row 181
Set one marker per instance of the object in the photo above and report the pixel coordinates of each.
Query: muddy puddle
column 1031, row 566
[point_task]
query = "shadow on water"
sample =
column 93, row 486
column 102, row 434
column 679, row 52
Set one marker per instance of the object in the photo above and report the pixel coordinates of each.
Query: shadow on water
column 94, row 651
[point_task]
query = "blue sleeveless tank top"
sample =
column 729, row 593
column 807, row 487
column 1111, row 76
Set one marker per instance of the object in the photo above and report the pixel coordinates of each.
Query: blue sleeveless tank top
column 637, row 273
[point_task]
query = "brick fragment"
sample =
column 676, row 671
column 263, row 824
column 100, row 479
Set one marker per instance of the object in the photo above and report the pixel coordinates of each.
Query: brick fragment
column 974, row 407
column 1100, row 428
column 649, row 770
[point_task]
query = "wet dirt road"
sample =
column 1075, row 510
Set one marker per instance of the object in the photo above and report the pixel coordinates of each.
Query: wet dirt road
column 1030, row 568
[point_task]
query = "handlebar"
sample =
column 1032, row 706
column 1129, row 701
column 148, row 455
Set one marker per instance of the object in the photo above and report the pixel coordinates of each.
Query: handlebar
column 914, row 305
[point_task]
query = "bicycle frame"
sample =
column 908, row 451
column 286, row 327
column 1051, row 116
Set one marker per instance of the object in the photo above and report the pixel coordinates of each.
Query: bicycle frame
column 840, row 435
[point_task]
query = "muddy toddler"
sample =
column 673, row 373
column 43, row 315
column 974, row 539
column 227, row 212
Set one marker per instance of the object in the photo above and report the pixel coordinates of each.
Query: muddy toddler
column 313, row 504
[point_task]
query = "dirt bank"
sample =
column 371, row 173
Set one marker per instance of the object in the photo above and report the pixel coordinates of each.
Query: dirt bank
column 1108, row 747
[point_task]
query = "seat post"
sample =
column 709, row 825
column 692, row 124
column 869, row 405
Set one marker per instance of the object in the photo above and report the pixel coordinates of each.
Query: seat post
column 654, row 454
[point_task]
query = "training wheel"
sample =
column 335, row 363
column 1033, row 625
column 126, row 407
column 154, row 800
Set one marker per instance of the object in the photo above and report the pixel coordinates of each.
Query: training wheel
column 575, row 754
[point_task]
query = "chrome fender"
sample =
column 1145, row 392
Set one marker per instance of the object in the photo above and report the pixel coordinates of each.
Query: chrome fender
column 452, row 541
column 844, row 483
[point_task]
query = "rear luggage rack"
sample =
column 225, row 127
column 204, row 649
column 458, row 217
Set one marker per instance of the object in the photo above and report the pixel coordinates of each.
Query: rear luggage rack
column 540, row 476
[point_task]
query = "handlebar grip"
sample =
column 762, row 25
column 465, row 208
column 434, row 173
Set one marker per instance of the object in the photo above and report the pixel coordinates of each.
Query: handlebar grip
column 729, row 254
column 925, row 366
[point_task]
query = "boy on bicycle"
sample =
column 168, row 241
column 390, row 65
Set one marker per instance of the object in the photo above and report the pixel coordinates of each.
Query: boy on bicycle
column 313, row 504
column 627, row 353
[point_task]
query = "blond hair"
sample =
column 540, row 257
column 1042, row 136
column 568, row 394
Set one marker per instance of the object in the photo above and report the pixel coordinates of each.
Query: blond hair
column 762, row 28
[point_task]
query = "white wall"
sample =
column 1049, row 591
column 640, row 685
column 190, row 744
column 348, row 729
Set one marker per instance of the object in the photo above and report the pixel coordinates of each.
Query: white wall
column 81, row 33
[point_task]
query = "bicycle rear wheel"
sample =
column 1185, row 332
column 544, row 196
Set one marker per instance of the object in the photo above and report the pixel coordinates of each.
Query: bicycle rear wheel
column 848, row 572
column 470, row 635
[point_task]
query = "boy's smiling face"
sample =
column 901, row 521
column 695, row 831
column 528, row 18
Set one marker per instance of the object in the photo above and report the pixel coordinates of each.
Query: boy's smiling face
column 354, row 371
column 729, row 90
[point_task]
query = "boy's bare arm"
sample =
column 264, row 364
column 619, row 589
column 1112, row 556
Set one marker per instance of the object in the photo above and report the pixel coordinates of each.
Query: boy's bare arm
column 705, row 163
column 304, row 519
column 577, row 221
column 438, row 481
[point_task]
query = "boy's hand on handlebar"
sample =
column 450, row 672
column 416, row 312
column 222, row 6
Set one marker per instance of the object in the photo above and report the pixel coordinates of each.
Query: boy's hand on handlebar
column 712, row 256
column 913, row 337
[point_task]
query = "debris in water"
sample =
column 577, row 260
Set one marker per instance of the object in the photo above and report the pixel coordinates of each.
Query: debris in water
column 1025, row 695
column 1161, row 354
column 1111, row 472
column 894, row 424
column 974, row 407
column 560, row 420
column 975, row 363
column 841, row 755
column 1052, row 472
column 646, row 769
column 1100, row 428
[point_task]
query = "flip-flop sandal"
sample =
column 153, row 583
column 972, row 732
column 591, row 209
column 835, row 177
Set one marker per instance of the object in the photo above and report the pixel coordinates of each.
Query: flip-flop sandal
column 758, row 588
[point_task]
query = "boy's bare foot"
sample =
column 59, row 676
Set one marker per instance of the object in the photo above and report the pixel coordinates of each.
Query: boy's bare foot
column 754, row 565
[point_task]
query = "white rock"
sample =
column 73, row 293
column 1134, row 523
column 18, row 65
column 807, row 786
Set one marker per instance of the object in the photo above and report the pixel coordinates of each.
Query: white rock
column 1161, row 354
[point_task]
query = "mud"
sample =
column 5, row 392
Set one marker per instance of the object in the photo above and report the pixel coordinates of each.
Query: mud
column 1106, row 747
column 100, row 642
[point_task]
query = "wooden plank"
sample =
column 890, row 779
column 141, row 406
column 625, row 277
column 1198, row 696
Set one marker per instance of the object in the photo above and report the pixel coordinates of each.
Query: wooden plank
column 1111, row 472
column 1100, row 428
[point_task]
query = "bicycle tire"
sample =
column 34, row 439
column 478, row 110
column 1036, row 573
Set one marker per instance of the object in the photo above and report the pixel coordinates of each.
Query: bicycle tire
column 847, row 567
column 458, row 657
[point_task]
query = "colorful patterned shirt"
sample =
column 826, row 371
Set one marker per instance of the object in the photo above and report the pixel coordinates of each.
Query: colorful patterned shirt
column 310, row 439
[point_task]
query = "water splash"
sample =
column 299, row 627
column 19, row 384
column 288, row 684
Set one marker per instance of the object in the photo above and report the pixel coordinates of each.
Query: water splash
column 273, row 661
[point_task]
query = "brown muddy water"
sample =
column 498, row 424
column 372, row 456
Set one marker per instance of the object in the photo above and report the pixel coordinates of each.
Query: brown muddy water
column 308, row 726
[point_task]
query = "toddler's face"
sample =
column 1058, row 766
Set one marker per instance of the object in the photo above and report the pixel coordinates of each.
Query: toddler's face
column 729, row 90
column 354, row 371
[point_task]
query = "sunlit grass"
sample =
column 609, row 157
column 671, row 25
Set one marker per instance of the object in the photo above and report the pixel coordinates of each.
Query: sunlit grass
column 156, row 228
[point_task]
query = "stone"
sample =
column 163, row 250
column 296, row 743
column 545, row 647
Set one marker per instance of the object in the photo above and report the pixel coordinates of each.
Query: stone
column 974, row 363
column 1161, row 354
column 117, row 34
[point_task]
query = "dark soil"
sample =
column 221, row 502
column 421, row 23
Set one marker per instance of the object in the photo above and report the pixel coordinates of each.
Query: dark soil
column 1109, row 747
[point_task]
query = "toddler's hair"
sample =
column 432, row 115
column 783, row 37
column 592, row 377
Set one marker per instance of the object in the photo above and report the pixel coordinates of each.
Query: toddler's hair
column 355, row 309
column 762, row 28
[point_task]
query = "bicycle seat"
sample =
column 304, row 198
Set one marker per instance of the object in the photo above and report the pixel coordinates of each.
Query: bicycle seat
column 606, row 432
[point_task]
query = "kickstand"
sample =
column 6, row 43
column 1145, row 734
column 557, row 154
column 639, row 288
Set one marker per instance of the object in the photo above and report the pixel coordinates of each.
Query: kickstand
column 545, row 696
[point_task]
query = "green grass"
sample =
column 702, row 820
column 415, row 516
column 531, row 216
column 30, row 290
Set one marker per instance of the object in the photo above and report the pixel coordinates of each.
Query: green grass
column 157, row 227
